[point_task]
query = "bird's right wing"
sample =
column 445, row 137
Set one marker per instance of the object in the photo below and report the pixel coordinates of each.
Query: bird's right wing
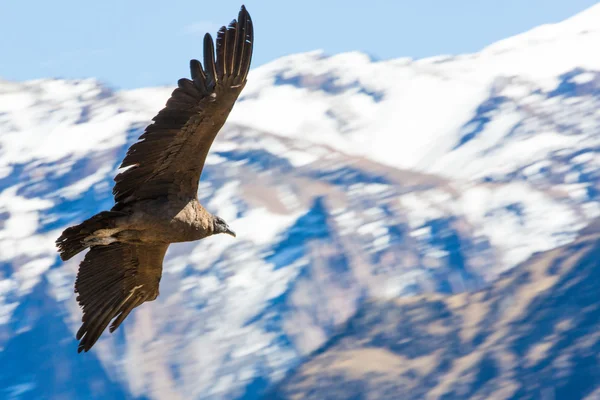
column 113, row 280
column 168, row 160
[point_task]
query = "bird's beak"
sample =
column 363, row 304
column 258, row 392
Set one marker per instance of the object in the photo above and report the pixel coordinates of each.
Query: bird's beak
column 230, row 232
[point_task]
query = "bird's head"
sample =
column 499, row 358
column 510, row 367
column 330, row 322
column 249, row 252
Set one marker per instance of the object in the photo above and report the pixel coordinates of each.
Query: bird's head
column 220, row 226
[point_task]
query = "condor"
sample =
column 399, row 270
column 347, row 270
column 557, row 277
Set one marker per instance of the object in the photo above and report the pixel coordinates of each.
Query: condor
column 156, row 199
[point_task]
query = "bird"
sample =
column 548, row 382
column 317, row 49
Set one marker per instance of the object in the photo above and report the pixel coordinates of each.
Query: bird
column 156, row 194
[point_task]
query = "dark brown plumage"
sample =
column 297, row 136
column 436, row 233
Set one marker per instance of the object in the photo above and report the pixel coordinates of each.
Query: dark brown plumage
column 156, row 197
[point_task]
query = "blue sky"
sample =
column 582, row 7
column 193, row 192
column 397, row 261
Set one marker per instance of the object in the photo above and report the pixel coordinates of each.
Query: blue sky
column 139, row 43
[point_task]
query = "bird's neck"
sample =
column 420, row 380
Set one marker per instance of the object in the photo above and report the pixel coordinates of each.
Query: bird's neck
column 203, row 224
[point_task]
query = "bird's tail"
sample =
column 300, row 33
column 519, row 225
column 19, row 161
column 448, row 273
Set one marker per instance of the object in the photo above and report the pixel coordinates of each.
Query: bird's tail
column 72, row 240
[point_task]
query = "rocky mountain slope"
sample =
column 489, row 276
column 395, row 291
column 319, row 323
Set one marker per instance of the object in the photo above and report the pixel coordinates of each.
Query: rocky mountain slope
column 533, row 334
column 346, row 179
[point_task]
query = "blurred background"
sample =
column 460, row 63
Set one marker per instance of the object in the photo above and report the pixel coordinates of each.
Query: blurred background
column 415, row 187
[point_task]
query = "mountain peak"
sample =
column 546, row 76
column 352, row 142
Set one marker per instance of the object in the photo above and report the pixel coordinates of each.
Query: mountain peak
column 567, row 32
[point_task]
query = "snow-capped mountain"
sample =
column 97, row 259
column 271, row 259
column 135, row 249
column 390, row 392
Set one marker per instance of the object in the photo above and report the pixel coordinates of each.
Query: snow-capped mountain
column 345, row 178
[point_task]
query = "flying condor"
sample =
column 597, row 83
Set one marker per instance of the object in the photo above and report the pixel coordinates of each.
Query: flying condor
column 156, row 201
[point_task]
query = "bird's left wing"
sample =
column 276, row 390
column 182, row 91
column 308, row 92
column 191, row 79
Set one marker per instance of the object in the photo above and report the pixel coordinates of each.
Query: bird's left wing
column 169, row 158
column 113, row 280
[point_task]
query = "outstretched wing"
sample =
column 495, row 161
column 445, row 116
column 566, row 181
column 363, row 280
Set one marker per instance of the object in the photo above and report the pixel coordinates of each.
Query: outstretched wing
column 112, row 281
column 169, row 158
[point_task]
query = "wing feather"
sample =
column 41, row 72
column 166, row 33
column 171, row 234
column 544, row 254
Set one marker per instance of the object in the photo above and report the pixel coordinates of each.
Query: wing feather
column 169, row 157
column 209, row 62
column 231, row 40
column 221, row 49
column 112, row 281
